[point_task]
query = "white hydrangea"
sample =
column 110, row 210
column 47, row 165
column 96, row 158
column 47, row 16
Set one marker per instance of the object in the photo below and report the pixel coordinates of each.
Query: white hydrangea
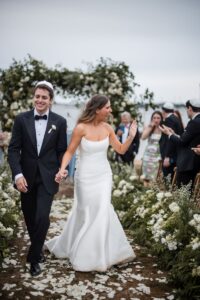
column 160, row 196
column 117, row 193
column 174, row 207
column 121, row 183
column 133, row 178
column 195, row 243
column 196, row 271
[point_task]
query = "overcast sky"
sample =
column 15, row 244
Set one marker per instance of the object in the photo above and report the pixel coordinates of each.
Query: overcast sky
column 158, row 39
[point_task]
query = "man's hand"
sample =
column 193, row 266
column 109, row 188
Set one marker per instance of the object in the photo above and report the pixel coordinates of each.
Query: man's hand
column 166, row 130
column 21, row 184
column 196, row 149
column 119, row 132
column 166, row 162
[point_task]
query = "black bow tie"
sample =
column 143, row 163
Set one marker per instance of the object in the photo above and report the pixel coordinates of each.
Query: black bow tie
column 37, row 117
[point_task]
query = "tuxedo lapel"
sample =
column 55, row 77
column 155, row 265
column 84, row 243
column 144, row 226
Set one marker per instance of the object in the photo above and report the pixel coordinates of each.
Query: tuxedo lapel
column 30, row 125
column 49, row 131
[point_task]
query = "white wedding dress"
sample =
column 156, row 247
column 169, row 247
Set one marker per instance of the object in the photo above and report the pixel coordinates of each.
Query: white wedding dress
column 93, row 238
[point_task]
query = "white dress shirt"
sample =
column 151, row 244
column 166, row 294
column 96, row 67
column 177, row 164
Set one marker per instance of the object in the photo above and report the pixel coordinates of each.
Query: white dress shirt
column 125, row 134
column 40, row 128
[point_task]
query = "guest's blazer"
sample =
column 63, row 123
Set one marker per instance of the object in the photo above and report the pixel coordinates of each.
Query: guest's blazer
column 187, row 159
column 167, row 148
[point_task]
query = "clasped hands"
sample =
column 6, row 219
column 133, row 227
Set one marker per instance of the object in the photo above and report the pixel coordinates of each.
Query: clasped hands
column 61, row 175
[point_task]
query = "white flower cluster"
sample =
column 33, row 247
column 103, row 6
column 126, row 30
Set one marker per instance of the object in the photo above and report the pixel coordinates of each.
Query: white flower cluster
column 195, row 243
column 160, row 196
column 195, row 222
column 5, row 231
column 141, row 211
column 170, row 241
column 8, row 208
column 174, row 207
column 196, row 271
column 123, row 188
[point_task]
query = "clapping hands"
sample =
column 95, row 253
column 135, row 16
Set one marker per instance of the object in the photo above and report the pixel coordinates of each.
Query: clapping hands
column 61, row 175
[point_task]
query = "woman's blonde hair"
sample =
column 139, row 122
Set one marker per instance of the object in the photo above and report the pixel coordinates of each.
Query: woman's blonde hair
column 89, row 113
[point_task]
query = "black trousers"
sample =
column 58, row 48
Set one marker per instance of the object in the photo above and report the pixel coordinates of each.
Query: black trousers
column 183, row 178
column 36, row 206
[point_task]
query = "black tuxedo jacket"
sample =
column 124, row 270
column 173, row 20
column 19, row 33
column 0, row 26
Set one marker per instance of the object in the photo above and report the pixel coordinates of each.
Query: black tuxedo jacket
column 187, row 159
column 167, row 148
column 22, row 151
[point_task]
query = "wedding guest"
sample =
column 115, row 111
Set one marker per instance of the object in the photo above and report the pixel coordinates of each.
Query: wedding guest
column 36, row 148
column 178, row 115
column 93, row 238
column 122, row 132
column 152, row 156
column 167, row 148
column 188, row 162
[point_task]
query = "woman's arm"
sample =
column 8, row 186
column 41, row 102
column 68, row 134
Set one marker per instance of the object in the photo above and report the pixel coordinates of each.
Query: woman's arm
column 146, row 132
column 117, row 146
column 75, row 141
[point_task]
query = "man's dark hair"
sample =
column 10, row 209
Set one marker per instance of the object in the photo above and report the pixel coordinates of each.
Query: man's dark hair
column 44, row 86
column 195, row 109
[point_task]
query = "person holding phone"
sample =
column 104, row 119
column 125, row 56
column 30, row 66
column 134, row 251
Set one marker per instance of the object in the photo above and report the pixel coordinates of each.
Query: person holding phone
column 188, row 160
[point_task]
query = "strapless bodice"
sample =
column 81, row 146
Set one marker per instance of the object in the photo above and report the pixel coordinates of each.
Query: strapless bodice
column 92, row 157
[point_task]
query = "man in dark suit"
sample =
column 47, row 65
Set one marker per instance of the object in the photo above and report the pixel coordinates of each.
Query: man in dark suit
column 34, row 154
column 122, row 132
column 168, row 150
column 188, row 162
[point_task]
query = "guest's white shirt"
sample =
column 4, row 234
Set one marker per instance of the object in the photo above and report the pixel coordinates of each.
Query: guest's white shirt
column 40, row 128
column 125, row 134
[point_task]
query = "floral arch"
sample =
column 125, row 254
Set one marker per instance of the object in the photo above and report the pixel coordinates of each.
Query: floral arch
column 113, row 79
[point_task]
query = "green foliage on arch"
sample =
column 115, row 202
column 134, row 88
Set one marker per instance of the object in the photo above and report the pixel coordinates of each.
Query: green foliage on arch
column 113, row 79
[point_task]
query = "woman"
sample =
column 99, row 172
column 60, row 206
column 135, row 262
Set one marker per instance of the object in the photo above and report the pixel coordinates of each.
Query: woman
column 151, row 158
column 93, row 238
column 178, row 115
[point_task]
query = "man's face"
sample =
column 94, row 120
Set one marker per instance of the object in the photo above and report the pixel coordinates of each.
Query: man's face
column 125, row 119
column 42, row 100
column 189, row 112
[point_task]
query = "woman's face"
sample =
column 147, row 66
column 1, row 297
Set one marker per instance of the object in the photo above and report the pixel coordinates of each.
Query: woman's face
column 104, row 112
column 156, row 119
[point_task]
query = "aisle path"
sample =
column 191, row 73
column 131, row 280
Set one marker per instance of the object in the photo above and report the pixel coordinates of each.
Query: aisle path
column 138, row 280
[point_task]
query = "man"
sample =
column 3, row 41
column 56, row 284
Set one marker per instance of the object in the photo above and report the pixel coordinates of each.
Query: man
column 167, row 149
column 122, row 132
column 34, row 154
column 188, row 162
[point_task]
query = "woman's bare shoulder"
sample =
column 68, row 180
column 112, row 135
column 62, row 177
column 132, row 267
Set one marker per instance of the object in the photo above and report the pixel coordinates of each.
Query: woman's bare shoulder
column 108, row 127
column 79, row 129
